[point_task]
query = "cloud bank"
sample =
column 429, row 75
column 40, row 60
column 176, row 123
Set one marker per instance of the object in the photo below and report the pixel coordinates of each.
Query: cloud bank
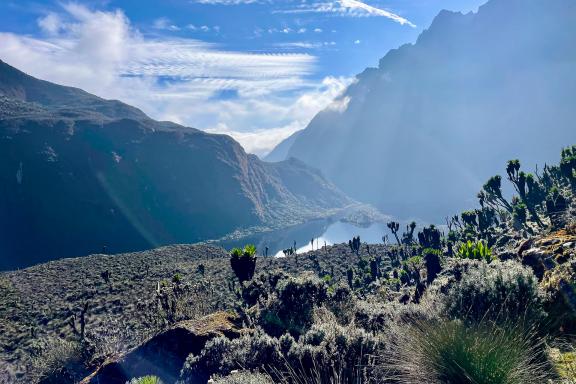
column 269, row 95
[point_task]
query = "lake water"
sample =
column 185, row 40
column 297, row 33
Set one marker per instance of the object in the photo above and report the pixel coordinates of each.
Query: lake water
column 322, row 231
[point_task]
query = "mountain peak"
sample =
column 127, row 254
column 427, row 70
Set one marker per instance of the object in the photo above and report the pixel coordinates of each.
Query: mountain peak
column 480, row 79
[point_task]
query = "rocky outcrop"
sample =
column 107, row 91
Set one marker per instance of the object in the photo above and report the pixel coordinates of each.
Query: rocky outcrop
column 164, row 354
column 553, row 259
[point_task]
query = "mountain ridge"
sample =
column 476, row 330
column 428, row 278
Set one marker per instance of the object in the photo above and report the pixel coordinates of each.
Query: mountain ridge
column 471, row 81
column 81, row 173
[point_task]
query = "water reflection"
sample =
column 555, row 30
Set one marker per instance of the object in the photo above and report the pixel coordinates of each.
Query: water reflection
column 322, row 232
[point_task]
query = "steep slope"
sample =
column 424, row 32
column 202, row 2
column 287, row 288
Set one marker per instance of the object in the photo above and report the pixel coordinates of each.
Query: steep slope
column 280, row 152
column 424, row 130
column 79, row 173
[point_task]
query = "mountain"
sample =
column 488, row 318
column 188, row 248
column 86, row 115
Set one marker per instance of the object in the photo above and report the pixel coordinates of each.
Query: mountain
column 280, row 152
column 79, row 173
column 421, row 133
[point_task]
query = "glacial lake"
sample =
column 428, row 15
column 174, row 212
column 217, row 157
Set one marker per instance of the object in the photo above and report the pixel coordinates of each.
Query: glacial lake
column 322, row 231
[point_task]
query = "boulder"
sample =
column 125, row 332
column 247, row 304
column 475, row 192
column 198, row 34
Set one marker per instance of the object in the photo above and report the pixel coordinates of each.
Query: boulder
column 163, row 355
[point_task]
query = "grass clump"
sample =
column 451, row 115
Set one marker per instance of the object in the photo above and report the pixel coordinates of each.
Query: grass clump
column 451, row 352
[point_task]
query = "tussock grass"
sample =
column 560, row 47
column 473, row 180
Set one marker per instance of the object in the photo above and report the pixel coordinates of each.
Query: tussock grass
column 451, row 352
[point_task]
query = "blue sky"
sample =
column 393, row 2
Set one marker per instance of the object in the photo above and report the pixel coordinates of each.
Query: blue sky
column 255, row 69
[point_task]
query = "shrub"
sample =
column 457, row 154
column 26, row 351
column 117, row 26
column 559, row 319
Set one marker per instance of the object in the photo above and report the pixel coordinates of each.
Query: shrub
column 222, row 356
column 56, row 360
column 243, row 262
column 325, row 352
column 290, row 308
column 475, row 251
column 519, row 213
column 414, row 263
column 341, row 302
column 329, row 353
column 177, row 278
column 430, row 237
column 146, row 380
column 432, row 261
column 244, row 377
column 502, row 291
column 451, row 352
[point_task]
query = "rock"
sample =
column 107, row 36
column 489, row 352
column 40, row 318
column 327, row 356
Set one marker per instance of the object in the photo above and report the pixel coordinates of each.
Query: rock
column 550, row 241
column 559, row 286
column 563, row 257
column 506, row 255
column 503, row 240
column 537, row 259
column 524, row 246
column 164, row 354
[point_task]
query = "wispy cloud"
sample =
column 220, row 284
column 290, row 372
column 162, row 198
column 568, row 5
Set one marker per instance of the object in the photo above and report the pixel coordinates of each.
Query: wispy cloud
column 358, row 5
column 351, row 8
column 306, row 44
column 175, row 78
column 165, row 23
column 230, row 2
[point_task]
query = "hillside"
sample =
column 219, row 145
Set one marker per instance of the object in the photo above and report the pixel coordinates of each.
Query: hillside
column 180, row 312
column 80, row 174
column 437, row 117
column 280, row 152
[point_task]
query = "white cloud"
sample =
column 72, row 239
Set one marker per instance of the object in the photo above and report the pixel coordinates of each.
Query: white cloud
column 176, row 79
column 357, row 41
column 339, row 105
column 166, row 24
column 50, row 24
column 358, row 5
column 351, row 8
column 230, row 2
column 279, row 119
column 306, row 44
column 260, row 141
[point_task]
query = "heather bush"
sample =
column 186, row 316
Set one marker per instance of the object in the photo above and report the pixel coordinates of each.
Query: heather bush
column 56, row 360
column 244, row 377
column 327, row 350
column 146, row 380
column 222, row 355
column 378, row 316
column 330, row 353
column 502, row 291
column 288, row 303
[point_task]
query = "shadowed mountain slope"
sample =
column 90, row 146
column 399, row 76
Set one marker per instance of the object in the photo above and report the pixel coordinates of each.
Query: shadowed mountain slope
column 423, row 131
column 79, row 173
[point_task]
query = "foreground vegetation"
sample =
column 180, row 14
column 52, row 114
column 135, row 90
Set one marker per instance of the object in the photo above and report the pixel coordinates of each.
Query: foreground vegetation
column 489, row 298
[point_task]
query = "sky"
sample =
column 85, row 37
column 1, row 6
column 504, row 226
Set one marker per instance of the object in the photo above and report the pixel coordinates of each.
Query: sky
column 258, row 70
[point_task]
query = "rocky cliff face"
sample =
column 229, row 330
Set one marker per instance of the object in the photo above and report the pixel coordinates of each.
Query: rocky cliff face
column 423, row 131
column 79, row 173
